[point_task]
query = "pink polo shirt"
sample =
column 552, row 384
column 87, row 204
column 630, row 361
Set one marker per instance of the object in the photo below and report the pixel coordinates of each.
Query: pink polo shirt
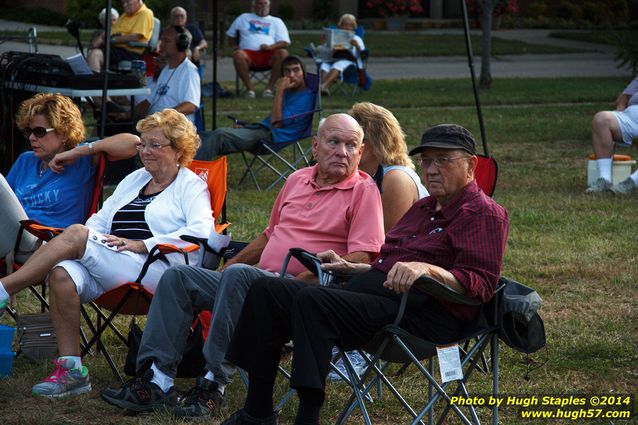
column 345, row 217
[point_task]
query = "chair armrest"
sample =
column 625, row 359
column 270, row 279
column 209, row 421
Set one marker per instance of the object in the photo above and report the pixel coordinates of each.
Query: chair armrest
column 283, row 121
column 312, row 263
column 437, row 289
column 46, row 233
column 136, row 44
column 443, row 292
column 158, row 252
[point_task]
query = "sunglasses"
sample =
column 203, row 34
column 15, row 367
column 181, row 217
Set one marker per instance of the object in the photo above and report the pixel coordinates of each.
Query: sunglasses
column 39, row 132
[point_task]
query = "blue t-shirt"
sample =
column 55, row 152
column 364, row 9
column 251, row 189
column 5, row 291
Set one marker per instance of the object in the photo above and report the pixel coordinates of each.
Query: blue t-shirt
column 57, row 200
column 294, row 103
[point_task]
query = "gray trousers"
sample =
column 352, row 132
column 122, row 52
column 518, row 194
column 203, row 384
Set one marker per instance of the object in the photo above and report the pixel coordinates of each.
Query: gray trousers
column 223, row 141
column 11, row 212
column 182, row 289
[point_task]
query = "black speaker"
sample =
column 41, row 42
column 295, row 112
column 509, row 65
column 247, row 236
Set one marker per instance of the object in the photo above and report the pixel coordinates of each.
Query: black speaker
column 182, row 38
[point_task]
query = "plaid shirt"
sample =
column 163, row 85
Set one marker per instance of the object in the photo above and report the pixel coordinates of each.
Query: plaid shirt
column 467, row 237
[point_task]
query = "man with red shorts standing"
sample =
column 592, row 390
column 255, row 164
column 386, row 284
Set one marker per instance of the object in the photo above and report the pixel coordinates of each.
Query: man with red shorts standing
column 258, row 40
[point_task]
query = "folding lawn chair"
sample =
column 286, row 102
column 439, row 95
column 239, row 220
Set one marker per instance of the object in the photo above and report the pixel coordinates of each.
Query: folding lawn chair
column 395, row 345
column 46, row 233
column 267, row 152
column 261, row 74
column 132, row 298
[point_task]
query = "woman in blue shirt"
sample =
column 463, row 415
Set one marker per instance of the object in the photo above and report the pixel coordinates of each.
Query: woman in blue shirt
column 53, row 182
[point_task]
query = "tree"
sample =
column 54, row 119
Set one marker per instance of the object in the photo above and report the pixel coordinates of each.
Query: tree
column 485, row 81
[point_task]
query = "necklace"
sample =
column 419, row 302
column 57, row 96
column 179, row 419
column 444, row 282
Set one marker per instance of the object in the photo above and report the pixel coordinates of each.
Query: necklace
column 41, row 169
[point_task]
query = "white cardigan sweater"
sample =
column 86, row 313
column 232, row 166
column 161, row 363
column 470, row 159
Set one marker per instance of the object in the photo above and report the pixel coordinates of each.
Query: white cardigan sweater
column 183, row 208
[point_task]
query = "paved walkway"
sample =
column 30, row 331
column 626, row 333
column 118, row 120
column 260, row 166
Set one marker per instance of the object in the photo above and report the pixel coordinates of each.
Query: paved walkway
column 597, row 61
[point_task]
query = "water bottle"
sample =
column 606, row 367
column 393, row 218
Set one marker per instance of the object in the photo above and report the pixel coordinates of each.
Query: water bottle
column 138, row 68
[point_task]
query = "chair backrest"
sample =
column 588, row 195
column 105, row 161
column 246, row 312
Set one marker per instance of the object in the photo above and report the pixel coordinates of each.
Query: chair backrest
column 214, row 174
column 155, row 35
column 312, row 82
column 486, row 174
column 96, row 200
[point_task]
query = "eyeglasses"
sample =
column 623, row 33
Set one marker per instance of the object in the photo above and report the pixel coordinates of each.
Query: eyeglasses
column 441, row 162
column 39, row 132
column 151, row 146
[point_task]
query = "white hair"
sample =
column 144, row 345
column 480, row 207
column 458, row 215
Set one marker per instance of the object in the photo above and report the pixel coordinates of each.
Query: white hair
column 114, row 13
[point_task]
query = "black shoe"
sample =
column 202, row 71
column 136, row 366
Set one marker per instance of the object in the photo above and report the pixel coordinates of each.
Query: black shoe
column 140, row 395
column 240, row 417
column 201, row 401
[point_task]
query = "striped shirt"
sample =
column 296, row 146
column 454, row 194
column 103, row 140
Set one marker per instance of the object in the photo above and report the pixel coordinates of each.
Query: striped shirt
column 467, row 237
column 129, row 221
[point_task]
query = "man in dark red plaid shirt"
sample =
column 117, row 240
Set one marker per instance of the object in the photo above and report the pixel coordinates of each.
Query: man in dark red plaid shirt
column 456, row 235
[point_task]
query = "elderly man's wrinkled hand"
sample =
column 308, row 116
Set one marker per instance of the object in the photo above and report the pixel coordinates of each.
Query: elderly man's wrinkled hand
column 331, row 261
column 402, row 276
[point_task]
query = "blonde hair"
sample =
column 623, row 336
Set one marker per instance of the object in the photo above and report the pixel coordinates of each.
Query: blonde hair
column 60, row 111
column 349, row 17
column 178, row 129
column 384, row 136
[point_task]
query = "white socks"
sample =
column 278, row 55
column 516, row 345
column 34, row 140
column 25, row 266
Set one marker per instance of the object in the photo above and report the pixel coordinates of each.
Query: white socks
column 77, row 361
column 4, row 295
column 161, row 379
column 604, row 168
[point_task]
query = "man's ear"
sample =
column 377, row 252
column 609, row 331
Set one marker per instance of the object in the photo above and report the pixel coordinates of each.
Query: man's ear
column 472, row 163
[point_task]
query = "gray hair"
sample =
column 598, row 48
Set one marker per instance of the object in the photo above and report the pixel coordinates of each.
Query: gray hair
column 102, row 16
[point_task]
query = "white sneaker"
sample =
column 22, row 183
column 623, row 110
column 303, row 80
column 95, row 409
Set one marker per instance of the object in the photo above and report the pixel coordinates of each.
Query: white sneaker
column 250, row 94
column 267, row 93
column 599, row 186
column 625, row 187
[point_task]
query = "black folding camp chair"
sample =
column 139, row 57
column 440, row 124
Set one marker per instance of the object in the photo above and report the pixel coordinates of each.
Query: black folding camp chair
column 395, row 345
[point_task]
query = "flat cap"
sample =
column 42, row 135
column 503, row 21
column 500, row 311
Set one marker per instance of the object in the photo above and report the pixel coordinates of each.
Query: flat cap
column 447, row 136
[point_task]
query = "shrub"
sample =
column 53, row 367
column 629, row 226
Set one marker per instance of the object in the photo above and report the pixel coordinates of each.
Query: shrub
column 37, row 15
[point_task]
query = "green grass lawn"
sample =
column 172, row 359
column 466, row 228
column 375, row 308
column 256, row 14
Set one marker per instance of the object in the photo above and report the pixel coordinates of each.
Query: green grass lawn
column 578, row 251
column 380, row 43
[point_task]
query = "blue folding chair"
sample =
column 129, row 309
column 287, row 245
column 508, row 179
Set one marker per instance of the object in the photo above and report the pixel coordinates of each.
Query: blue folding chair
column 267, row 153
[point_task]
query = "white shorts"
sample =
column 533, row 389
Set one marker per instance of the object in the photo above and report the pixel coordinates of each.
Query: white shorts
column 101, row 269
column 339, row 65
column 628, row 123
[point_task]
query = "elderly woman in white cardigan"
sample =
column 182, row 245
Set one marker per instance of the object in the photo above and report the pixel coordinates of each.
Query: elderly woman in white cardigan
column 155, row 204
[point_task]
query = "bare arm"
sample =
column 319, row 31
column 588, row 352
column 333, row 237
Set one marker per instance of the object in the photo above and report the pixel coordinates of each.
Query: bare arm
column 351, row 260
column 621, row 101
column 402, row 276
column 117, row 147
column 125, row 38
column 250, row 254
column 276, row 112
column 185, row 108
column 278, row 45
column 399, row 193
column 330, row 261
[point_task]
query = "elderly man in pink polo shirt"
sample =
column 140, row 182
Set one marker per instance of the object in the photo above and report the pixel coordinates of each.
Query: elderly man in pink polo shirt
column 331, row 205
